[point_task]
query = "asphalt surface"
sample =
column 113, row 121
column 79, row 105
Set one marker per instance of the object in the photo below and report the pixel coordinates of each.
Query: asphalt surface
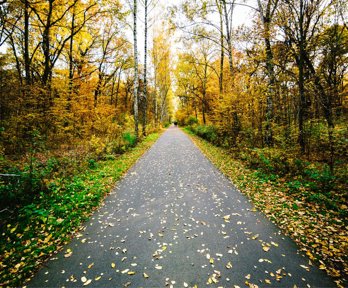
column 175, row 220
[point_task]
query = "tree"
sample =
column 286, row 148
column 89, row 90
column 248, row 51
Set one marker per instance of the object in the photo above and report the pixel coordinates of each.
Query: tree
column 161, row 56
column 136, row 76
column 266, row 11
column 300, row 22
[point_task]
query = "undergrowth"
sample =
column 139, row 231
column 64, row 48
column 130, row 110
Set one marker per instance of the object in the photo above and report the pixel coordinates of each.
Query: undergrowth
column 35, row 231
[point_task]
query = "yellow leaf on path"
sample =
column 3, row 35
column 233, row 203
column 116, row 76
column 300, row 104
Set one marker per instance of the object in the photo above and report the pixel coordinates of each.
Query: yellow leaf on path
column 90, row 265
column 248, row 276
column 83, row 279
column 145, row 275
column 227, row 218
column 68, row 253
column 97, row 278
column 268, row 281
column 113, row 265
column 211, row 261
column 87, row 282
column 265, row 248
column 131, row 273
column 229, row 265
column 255, row 237
column 305, row 267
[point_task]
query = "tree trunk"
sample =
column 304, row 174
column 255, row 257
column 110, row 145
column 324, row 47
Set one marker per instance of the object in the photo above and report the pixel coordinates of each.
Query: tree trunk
column 46, row 78
column 136, row 83
column 266, row 17
column 71, row 64
column 302, row 104
column 26, row 43
column 145, row 73
column 222, row 54
column 118, row 87
column 228, row 36
column 99, row 85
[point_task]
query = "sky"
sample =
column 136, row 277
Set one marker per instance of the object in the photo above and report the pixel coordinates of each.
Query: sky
column 242, row 15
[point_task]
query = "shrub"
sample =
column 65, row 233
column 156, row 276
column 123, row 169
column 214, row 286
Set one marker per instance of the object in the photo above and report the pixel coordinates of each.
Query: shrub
column 130, row 139
column 191, row 121
column 208, row 133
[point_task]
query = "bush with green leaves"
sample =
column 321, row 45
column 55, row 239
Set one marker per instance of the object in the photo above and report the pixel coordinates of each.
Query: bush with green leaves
column 191, row 121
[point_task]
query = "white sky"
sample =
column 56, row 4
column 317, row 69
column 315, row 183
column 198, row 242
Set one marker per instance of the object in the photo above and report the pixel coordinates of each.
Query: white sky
column 241, row 15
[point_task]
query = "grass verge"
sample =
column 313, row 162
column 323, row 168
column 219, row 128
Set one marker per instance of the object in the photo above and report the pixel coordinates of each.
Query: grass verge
column 319, row 232
column 41, row 229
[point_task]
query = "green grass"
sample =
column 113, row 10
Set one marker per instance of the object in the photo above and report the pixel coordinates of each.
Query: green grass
column 44, row 226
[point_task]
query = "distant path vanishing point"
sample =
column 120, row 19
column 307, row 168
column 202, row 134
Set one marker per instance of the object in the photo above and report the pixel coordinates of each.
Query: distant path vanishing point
column 175, row 220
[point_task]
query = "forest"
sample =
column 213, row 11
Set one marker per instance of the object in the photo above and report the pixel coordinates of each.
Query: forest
column 85, row 81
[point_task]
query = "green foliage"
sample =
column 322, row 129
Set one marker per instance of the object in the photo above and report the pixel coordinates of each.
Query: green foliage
column 22, row 185
column 208, row 133
column 166, row 124
column 313, row 181
column 36, row 230
column 92, row 164
column 130, row 139
column 191, row 121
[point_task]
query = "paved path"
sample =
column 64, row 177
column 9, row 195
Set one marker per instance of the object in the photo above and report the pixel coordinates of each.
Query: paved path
column 175, row 218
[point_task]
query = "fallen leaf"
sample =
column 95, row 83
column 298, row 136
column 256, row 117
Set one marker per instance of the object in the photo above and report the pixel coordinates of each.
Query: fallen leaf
column 265, row 248
column 87, row 282
column 229, row 265
column 255, row 237
column 48, row 238
column 60, row 220
column 305, row 267
column 113, row 265
column 145, row 275
column 131, row 273
column 13, row 229
column 83, row 279
column 68, row 253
